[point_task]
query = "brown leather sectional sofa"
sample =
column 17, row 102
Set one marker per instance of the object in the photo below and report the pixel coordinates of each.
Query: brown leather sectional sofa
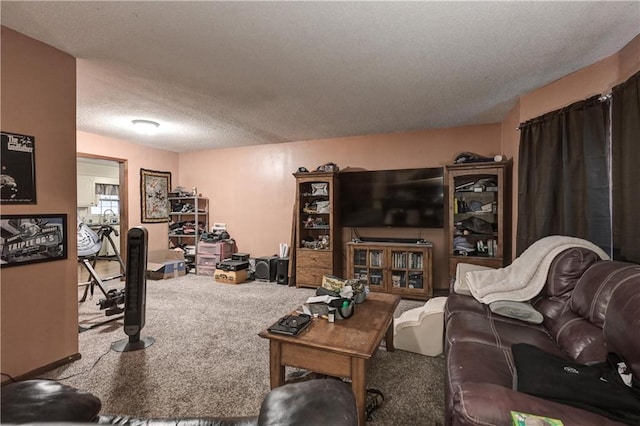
column 590, row 307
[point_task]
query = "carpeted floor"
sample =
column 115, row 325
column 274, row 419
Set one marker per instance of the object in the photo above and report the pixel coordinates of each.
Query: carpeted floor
column 209, row 360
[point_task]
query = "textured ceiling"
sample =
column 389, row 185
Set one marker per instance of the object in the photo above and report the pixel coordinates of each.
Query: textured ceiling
column 225, row 74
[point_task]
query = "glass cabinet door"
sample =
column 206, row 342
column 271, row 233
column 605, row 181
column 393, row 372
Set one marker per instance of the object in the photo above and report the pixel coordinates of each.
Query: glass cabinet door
column 360, row 269
column 376, row 268
column 407, row 269
column 315, row 215
column 368, row 266
column 475, row 215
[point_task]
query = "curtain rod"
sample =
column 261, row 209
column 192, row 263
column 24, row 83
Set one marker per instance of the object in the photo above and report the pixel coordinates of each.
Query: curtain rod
column 601, row 98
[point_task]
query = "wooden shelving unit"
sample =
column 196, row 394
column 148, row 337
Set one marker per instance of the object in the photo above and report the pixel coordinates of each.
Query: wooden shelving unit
column 317, row 246
column 479, row 214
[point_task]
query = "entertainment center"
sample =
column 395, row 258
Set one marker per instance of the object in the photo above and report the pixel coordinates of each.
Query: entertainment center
column 411, row 198
column 475, row 229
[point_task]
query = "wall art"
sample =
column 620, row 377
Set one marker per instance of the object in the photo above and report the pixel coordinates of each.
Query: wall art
column 154, row 193
column 32, row 238
column 18, row 178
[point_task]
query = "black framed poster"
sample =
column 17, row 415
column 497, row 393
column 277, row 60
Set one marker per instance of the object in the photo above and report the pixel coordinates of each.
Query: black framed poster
column 18, row 178
column 32, row 238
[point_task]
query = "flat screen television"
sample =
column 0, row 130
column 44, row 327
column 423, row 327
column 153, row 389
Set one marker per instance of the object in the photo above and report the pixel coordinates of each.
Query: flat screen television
column 393, row 198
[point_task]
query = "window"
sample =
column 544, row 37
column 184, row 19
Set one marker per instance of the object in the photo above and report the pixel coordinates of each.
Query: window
column 108, row 204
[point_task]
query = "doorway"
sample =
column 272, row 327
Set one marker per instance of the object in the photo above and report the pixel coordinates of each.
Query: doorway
column 102, row 200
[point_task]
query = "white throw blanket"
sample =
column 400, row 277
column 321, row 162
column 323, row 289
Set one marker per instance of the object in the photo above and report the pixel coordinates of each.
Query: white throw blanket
column 526, row 276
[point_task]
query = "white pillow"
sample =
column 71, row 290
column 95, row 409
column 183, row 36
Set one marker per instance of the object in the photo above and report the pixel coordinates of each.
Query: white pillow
column 519, row 310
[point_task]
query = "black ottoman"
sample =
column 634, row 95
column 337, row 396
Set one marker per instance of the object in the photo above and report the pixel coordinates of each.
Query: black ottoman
column 34, row 401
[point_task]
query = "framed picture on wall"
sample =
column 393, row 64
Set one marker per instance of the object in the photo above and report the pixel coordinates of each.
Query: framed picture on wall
column 18, row 178
column 32, row 238
column 154, row 196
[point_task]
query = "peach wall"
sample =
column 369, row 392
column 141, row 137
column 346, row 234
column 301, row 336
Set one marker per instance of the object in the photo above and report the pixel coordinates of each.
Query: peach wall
column 40, row 301
column 595, row 79
column 628, row 60
column 589, row 81
column 252, row 189
column 137, row 157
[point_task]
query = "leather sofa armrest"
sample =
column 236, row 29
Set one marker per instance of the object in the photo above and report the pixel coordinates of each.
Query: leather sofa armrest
column 319, row 402
column 36, row 401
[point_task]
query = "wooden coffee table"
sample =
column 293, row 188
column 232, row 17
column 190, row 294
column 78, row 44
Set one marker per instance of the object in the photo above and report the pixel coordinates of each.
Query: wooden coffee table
column 341, row 349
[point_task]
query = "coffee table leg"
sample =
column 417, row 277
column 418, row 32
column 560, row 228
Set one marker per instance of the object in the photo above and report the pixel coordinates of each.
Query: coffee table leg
column 276, row 369
column 359, row 387
column 389, row 338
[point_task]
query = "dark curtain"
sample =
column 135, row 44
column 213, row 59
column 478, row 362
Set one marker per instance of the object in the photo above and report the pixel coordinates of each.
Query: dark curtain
column 563, row 180
column 625, row 150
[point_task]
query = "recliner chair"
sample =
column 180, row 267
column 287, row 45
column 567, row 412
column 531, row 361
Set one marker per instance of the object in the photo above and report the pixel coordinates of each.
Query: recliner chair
column 317, row 402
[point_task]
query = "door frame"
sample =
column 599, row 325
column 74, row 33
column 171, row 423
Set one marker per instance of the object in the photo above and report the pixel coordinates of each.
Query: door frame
column 123, row 177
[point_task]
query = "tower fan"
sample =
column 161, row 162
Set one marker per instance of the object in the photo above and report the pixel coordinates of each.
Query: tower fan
column 135, row 292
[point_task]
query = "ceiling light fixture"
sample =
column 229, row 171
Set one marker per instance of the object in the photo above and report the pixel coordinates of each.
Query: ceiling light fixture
column 146, row 127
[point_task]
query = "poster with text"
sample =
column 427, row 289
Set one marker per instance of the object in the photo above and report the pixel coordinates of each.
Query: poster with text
column 18, row 178
column 32, row 238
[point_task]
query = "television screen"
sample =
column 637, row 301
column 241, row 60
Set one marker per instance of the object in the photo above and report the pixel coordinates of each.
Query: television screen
column 389, row 198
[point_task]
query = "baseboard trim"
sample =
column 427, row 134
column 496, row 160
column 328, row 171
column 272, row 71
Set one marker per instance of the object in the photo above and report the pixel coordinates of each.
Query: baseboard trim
column 38, row 371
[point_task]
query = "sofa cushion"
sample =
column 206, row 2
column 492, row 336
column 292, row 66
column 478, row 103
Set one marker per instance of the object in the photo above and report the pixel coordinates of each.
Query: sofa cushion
column 579, row 338
column 465, row 327
column 593, row 291
column 564, row 273
column 623, row 322
column 578, row 329
column 489, row 404
column 567, row 268
column 497, row 364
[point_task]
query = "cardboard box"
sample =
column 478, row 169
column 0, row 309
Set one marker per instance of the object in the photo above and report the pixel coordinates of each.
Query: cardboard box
column 230, row 277
column 165, row 264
